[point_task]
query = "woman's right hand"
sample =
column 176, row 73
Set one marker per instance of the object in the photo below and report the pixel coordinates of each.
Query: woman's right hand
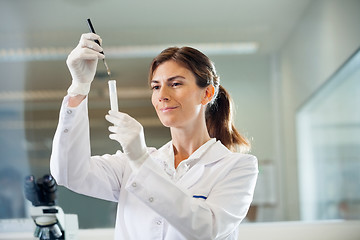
column 82, row 62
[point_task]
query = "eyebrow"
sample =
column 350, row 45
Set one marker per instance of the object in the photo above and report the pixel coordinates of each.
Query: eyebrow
column 169, row 79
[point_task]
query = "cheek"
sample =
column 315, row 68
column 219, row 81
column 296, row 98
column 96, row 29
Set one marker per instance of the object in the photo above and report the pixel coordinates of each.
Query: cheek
column 153, row 102
column 192, row 105
column 197, row 97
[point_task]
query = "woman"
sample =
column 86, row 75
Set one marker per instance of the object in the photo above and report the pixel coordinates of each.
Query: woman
column 193, row 187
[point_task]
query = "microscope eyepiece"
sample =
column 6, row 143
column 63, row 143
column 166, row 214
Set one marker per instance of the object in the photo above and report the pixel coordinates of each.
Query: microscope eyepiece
column 31, row 190
column 42, row 192
column 50, row 188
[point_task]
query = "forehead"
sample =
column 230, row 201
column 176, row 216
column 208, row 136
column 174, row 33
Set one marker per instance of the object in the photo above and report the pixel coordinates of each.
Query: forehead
column 169, row 69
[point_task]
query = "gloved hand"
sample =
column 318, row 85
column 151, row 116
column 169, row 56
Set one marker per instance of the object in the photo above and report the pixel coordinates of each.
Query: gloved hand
column 130, row 134
column 82, row 62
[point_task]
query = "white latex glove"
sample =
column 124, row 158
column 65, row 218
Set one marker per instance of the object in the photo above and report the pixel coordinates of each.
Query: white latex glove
column 130, row 134
column 82, row 62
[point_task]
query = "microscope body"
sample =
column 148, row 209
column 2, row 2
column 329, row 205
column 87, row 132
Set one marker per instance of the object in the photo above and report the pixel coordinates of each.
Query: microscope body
column 52, row 223
column 50, row 220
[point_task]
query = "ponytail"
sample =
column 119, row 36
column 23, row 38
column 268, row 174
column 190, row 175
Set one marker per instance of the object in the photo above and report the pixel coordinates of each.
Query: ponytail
column 219, row 121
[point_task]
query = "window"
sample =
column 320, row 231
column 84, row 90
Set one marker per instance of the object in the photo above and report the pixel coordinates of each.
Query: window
column 328, row 130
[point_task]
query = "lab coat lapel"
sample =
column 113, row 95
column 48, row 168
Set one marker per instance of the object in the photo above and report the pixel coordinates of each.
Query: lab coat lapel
column 192, row 176
column 215, row 153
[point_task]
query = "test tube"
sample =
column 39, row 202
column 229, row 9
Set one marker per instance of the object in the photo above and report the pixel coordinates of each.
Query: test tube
column 113, row 95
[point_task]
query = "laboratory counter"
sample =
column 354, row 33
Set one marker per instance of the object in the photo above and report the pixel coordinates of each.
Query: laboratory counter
column 317, row 230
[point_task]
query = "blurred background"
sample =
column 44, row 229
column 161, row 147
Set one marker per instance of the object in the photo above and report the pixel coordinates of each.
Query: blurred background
column 292, row 68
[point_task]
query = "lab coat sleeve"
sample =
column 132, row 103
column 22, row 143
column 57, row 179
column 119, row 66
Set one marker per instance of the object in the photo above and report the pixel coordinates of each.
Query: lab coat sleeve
column 214, row 218
column 71, row 163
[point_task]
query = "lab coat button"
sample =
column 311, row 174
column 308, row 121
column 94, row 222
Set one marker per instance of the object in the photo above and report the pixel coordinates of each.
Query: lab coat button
column 69, row 111
column 158, row 222
column 133, row 184
column 151, row 199
column 66, row 130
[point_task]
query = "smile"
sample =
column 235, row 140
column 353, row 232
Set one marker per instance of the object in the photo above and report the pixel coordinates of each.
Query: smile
column 167, row 109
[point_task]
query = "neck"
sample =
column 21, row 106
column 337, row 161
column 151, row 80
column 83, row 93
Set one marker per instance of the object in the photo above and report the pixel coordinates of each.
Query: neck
column 186, row 141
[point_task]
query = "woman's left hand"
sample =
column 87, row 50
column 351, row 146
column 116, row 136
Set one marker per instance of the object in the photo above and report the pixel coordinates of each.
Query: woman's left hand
column 129, row 133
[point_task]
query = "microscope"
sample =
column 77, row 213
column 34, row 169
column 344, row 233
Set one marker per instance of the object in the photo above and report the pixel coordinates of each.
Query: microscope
column 50, row 220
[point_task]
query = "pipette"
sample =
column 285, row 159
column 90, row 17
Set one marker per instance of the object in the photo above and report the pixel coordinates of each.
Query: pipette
column 112, row 83
column 104, row 61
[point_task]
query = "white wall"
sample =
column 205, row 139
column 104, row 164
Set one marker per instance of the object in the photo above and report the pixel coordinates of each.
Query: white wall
column 327, row 35
column 247, row 78
column 250, row 81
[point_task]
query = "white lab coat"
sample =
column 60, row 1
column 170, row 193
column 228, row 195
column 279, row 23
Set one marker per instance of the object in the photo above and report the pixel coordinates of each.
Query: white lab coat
column 208, row 202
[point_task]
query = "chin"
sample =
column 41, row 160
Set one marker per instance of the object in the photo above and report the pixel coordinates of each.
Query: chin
column 169, row 122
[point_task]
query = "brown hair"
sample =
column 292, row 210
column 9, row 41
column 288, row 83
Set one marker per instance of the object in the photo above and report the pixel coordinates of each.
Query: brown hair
column 218, row 113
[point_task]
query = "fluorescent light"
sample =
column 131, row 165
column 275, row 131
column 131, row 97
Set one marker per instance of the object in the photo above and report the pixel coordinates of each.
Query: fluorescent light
column 33, row 54
column 41, row 54
column 207, row 48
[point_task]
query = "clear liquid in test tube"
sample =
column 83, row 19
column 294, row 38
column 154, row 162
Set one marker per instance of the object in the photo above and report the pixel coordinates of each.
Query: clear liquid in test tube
column 113, row 95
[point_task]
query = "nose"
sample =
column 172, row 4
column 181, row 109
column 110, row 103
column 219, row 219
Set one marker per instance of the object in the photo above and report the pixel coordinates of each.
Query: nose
column 163, row 94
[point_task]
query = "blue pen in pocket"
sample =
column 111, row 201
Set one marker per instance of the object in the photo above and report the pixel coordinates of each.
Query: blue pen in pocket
column 199, row 196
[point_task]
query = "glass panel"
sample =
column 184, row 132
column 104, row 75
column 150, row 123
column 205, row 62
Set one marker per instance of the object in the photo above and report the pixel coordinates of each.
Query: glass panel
column 328, row 130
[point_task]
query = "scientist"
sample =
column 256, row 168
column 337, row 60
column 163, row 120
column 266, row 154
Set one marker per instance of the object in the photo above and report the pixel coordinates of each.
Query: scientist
column 197, row 186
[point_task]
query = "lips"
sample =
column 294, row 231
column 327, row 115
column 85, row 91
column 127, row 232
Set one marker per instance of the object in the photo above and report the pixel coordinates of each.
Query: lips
column 167, row 109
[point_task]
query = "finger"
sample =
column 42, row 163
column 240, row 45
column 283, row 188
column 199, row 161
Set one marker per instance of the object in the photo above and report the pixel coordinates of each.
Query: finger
column 116, row 121
column 122, row 136
column 124, row 117
column 118, row 152
column 113, row 129
column 123, row 125
column 91, row 36
column 85, row 43
column 113, row 137
column 112, row 119
column 118, row 138
column 123, row 131
column 115, row 116
column 85, row 54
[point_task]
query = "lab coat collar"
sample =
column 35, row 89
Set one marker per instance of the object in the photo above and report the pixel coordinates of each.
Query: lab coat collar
column 201, row 150
column 214, row 153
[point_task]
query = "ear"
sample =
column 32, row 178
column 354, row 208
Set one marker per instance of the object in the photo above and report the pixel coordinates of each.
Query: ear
column 209, row 94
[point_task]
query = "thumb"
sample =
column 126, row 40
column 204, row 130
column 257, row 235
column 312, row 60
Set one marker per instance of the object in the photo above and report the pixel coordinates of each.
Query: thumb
column 113, row 137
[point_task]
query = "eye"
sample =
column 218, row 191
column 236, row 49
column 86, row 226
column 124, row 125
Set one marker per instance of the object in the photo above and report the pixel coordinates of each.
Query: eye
column 175, row 84
column 155, row 87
